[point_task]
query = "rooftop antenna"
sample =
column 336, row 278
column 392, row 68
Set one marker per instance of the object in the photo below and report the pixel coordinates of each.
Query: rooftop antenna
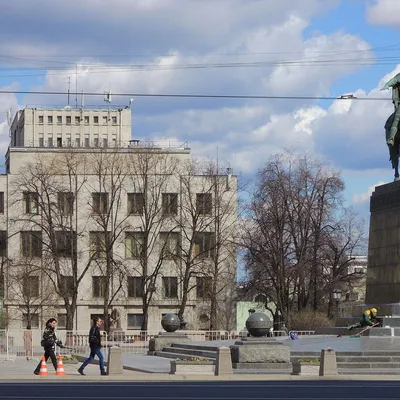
column 107, row 98
column 82, row 100
column 69, row 87
column 76, row 85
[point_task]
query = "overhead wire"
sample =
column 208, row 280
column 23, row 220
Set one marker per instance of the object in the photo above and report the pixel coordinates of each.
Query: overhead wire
column 192, row 95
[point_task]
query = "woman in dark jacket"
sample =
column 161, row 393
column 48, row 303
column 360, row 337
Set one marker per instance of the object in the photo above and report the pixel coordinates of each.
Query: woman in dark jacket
column 49, row 340
column 95, row 346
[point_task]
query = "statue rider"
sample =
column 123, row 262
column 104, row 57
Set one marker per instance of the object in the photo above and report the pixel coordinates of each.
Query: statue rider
column 395, row 117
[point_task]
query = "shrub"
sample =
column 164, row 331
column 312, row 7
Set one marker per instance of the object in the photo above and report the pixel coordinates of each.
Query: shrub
column 308, row 320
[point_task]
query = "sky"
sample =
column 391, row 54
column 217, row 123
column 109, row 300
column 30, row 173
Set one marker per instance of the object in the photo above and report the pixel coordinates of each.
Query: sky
column 319, row 49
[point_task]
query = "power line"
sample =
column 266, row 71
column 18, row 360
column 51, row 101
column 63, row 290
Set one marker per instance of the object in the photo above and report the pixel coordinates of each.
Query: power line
column 210, row 96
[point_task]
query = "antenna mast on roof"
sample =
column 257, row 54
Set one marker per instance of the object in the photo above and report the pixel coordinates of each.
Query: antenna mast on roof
column 69, row 87
column 76, row 85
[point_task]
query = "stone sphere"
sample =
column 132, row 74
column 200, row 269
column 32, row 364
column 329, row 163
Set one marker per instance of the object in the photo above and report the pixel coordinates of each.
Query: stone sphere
column 258, row 324
column 170, row 322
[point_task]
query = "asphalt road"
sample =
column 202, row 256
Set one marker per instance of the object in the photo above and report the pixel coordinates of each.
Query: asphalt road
column 237, row 390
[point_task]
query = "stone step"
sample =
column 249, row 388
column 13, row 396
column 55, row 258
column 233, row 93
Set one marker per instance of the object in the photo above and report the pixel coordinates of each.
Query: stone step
column 167, row 354
column 368, row 371
column 363, row 365
column 190, row 352
column 371, row 359
column 194, row 346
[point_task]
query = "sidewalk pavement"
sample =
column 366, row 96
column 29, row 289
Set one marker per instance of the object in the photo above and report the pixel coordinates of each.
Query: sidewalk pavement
column 22, row 370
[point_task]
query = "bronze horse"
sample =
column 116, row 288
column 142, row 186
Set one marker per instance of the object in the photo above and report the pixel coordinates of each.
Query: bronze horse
column 393, row 149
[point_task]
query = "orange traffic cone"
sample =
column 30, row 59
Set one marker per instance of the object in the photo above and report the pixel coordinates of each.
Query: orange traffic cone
column 43, row 368
column 60, row 367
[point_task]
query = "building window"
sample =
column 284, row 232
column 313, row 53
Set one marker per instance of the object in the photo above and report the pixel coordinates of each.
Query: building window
column 135, row 203
column 77, row 120
column 114, row 120
column 41, row 142
column 31, row 243
column 134, row 244
column 3, row 244
column 65, row 244
column 203, row 287
column 31, row 201
column 40, row 119
column 170, row 287
column 170, row 203
column 50, row 141
column 66, row 203
column 31, row 320
column 105, row 119
column 204, row 203
column 204, row 244
column 96, row 120
column 97, row 244
column 96, row 142
column 68, row 141
column 86, row 119
column 1, row 202
column 105, row 142
column 49, row 119
column 68, row 120
column 99, row 286
column 59, row 119
column 67, row 286
column 78, row 142
column 30, row 286
column 135, row 286
column 87, row 143
column 100, row 203
column 135, row 321
column 61, row 321
column 59, row 142
column 169, row 244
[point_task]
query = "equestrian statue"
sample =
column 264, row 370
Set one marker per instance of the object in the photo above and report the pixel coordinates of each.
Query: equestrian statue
column 392, row 125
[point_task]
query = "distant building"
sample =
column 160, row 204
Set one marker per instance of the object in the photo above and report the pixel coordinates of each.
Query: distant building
column 51, row 134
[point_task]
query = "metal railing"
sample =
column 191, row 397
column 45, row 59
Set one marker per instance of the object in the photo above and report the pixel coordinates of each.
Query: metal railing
column 26, row 343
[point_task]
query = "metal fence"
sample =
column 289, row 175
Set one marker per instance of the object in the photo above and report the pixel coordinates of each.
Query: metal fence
column 26, row 343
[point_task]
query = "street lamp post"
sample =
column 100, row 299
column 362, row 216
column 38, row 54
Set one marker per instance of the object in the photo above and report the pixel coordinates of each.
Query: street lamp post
column 337, row 295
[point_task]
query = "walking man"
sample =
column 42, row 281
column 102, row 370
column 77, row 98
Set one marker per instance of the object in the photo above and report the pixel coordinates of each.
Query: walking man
column 95, row 346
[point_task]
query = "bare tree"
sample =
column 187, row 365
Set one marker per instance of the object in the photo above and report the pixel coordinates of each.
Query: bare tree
column 46, row 190
column 291, row 226
column 29, row 291
column 207, row 250
column 106, row 187
column 152, row 205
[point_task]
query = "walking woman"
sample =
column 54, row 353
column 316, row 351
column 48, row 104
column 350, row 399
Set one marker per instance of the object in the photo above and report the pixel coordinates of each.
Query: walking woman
column 48, row 342
column 95, row 346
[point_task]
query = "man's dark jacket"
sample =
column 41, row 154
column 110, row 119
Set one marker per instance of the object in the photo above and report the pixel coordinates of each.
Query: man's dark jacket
column 94, row 337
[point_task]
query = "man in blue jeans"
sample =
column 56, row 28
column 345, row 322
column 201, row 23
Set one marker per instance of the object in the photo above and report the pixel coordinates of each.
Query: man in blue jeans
column 95, row 346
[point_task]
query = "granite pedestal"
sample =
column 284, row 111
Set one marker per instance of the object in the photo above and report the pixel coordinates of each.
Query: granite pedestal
column 383, row 275
column 165, row 339
column 260, row 353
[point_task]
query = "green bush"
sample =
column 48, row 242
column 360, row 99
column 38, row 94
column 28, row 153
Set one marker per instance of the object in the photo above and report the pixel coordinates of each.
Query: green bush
column 308, row 320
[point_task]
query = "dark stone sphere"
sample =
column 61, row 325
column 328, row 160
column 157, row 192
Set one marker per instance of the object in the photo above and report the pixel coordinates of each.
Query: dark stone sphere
column 258, row 324
column 170, row 322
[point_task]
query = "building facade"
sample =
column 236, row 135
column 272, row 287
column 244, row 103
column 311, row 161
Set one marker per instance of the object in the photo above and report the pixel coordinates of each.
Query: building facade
column 95, row 223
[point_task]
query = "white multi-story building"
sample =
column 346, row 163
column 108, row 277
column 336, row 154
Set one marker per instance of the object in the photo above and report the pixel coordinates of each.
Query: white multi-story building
column 85, row 208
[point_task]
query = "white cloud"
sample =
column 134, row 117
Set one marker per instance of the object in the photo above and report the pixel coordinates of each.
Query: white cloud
column 384, row 12
column 364, row 197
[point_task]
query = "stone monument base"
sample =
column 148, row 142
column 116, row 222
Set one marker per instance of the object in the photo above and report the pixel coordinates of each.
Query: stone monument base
column 260, row 353
column 165, row 339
